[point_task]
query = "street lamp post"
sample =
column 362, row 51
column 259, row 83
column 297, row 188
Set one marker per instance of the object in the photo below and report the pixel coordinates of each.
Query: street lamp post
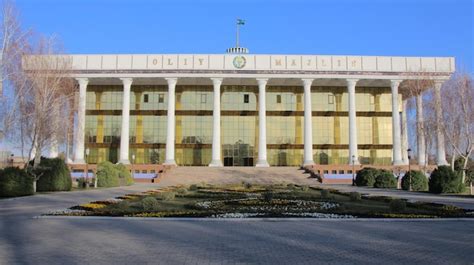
column 86, row 183
column 409, row 175
column 12, row 161
column 353, row 170
column 133, row 162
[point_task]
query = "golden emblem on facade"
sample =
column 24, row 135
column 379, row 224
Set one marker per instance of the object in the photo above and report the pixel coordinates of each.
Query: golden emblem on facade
column 239, row 62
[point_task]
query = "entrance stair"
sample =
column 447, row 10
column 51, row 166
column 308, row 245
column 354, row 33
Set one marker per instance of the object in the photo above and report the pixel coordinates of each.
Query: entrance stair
column 230, row 175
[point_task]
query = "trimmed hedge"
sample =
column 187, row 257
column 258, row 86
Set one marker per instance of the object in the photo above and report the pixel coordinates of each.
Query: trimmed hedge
column 355, row 196
column 113, row 175
column 397, row 205
column 55, row 175
column 419, row 182
column 107, row 175
column 445, row 180
column 150, row 204
column 366, row 177
column 15, row 182
column 125, row 178
column 385, row 179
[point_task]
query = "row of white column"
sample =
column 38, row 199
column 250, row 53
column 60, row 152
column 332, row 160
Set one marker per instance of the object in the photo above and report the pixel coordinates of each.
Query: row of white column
column 398, row 142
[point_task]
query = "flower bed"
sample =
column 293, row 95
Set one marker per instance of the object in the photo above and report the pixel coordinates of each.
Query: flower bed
column 257, row 201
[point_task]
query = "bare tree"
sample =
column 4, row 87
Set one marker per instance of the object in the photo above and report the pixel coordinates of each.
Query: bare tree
column 42, row 89
column 413, row 90
column 12, row 39
column 458, row 116
column 430, row 125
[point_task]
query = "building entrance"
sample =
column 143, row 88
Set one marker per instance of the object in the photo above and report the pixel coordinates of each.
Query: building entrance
column 238, row 154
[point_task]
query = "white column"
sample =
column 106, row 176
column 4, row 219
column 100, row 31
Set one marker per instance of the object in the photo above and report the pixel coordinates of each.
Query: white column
column 308, row 124
column 440, row 152
column 353, row 156
column 216, row 124
column 420, row 137
column 125, row 132
column 404, row 132
column 262, row 125
column 396, row 131
column 81, row 121
column 170, row 136
column 54, row 146
column 54, row 150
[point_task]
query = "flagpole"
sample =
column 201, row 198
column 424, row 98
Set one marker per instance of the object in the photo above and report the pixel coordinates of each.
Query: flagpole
column 238, row 29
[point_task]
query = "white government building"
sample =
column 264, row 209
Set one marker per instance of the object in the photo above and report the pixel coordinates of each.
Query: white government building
column 240, row 109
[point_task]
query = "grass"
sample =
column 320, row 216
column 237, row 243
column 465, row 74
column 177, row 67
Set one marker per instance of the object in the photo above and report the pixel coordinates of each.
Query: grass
column 243, row 200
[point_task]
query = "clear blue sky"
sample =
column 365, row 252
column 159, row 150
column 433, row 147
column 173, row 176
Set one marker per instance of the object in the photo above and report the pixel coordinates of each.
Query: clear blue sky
column 384, row 27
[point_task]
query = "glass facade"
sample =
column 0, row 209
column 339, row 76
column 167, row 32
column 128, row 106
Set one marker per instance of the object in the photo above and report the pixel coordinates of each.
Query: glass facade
column 239, row 124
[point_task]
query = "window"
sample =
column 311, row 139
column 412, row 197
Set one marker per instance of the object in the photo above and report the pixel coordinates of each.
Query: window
column 203, row 98
column 145, row 98
column 246, row 98
column 330, row 99
column 278, row 98
column 161, row 98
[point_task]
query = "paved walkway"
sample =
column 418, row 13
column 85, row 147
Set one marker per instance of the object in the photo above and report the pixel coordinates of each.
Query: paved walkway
column 26, row 240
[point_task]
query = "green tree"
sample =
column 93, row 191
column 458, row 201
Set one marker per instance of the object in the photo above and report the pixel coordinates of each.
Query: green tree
column 15, row 182
column 445, row 180
column 107, row 175
column 55, row 175
column 385, row 179
column 366, row 177
column 419, row 182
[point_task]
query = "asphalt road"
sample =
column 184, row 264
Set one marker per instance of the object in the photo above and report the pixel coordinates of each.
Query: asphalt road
column 28, row 240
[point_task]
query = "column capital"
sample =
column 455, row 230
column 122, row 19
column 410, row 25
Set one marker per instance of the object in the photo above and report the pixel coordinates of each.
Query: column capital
column 438, row 83
column 217, row 80
column 171, row 80
column 82, row 81
column 307, row 81
column 395, row 82
column 262, row 81
column 127, row 81
column 352, row 81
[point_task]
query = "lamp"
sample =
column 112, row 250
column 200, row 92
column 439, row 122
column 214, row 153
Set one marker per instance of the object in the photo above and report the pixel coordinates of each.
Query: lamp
column 409, row 175
column 353, row 170
column 86, row 183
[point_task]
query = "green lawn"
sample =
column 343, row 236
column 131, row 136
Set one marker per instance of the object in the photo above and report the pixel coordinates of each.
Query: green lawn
column 249, row 200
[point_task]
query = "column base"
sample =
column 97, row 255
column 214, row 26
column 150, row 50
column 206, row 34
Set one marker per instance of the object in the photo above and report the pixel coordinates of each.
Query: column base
column 308, row 163
column 398, row 163
column 442, row 163
column 170, row 162
column 124, row 162
column 78, row 161
column 216, row 163
column 262, row 163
